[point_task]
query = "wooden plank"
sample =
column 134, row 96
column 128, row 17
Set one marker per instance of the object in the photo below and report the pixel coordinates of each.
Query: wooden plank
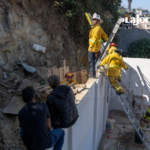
column 67, row 69
column 72, row 84
column 61, row 74
column 79, row 77
column 80, row 86
column 40, row 87
column 58, row 73
column 64, row 67
column 75, row 75
column 49, row 73
column 65, row 83
column 84, row 76
column 14, row 106
column 45, row 88
column 54, row 70
column 16, row 103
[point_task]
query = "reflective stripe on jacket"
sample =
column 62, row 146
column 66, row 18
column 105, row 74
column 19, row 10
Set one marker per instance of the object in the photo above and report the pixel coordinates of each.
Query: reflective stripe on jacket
column 115, row 62
column 95, row 37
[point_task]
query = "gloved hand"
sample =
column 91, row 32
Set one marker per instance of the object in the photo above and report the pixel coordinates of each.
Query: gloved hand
column 126, row 67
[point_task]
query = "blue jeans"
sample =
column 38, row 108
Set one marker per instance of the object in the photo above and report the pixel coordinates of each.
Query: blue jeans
column 92, row 61
column 57, row 136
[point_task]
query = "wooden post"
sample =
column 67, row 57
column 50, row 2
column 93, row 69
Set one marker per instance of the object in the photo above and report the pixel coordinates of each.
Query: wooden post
column 64, row 68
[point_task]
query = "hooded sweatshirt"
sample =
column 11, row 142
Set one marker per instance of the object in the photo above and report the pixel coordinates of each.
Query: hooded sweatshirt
column 62, row 108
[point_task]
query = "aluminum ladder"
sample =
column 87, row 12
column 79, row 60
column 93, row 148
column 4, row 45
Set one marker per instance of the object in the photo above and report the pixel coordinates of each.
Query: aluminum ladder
column 111, row 37
column 130, row 114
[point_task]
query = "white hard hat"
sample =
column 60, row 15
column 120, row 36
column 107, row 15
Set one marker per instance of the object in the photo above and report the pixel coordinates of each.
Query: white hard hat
column 96, row 16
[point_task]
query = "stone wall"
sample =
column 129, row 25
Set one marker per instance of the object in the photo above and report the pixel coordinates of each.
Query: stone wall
column 127, row 36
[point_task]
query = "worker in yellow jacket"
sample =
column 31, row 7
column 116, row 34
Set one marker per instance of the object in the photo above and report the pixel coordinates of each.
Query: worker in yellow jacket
column 95, row 37
column 114, row 61
column 69, row 78
column 127, row 16
column 111, row 50
column 146, row 118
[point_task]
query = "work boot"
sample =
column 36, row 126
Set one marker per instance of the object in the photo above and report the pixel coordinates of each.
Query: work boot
column 118, row 93
column 120, row 90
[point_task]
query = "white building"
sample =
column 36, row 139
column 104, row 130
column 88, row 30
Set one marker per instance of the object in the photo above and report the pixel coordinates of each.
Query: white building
column 142, row 11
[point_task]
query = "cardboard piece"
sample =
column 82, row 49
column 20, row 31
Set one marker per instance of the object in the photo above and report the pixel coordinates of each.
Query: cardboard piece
column 78, row 77
column 84, row 76
column 61, row 73
column 54, row 70
column 16, row 103
column 75, row 75
column 26, row 83
column 14, row 106
column 49, row 73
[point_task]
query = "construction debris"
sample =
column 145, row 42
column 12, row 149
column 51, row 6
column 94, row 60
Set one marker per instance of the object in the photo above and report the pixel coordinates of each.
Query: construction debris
column 27, row 67
column 39, row 48
column 16, row 103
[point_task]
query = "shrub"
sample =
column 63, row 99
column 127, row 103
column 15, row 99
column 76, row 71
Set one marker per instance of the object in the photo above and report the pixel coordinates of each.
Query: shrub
column 75, row 12
column 140, row 48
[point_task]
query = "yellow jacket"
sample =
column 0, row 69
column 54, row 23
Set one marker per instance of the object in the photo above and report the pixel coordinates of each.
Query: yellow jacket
column 120, row 68
column 73, row 80
column 126, row 15
column 112, row 50
column 95, row 37
column 115, row 62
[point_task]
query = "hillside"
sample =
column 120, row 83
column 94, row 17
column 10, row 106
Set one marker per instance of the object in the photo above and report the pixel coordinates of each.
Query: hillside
column 25, row 22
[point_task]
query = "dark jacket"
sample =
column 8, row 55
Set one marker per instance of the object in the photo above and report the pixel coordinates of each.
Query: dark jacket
column 62, row 108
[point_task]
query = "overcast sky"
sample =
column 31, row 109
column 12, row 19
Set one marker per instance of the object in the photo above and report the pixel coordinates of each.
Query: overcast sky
column 145, row 4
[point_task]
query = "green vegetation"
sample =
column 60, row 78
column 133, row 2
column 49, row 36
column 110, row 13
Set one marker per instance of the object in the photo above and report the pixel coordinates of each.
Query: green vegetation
column 148, row 15
column 134, row 9
column 122, row 11
column 74, row 10
column 140, row 48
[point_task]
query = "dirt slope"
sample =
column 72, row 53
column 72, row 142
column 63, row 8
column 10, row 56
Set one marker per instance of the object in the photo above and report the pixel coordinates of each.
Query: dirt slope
column 23, row 23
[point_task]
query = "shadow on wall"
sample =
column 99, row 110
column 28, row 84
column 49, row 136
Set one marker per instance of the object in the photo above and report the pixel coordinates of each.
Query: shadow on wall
column 134, row 80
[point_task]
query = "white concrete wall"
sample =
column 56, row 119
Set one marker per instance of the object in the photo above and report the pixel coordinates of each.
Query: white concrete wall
column 96, row 104
column 136, row 79
column 93, row 112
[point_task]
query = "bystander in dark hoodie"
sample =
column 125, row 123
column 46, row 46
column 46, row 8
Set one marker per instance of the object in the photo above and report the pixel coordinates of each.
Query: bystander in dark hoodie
column 61, row 104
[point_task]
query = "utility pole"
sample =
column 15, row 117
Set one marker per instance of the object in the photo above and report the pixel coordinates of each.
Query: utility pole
column 129, row 5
